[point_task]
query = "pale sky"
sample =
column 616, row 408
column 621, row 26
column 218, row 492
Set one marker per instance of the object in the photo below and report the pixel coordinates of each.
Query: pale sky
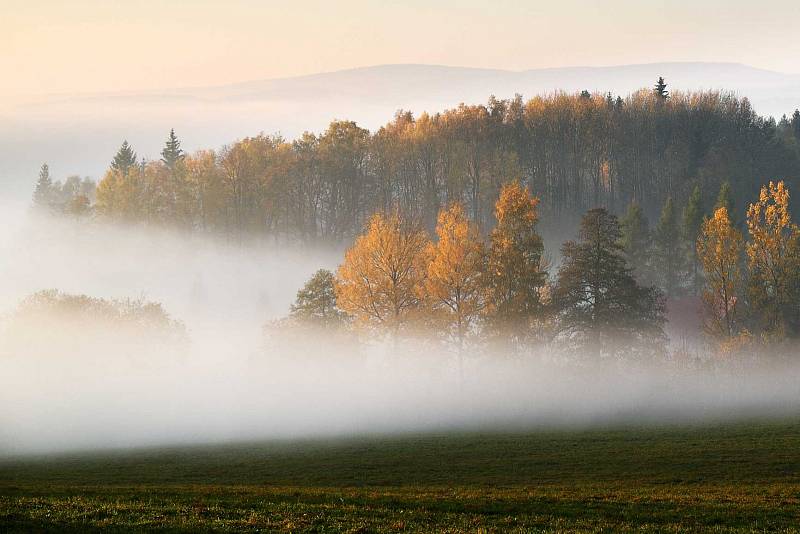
column 57, row 46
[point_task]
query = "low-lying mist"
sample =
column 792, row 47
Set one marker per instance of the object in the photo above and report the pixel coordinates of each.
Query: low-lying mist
column 89, row 383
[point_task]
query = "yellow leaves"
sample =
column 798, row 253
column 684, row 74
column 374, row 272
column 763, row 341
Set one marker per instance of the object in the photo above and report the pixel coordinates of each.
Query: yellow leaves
column 718, row 248
column 381, row 278
column 455, row 263
column 517, row 204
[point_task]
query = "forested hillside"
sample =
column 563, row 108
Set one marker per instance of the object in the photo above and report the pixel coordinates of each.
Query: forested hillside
column 574, row 152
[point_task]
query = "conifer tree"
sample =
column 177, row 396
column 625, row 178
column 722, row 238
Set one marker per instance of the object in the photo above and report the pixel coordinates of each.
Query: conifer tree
column 124, row 160
column 599, row 304
column 514, row 275
column 796, row 124
column 725, row 200
column 172, row 153
column 43, row 194
column 661, row 88
column 692, row 223
column 636, row 243
column 668, row 254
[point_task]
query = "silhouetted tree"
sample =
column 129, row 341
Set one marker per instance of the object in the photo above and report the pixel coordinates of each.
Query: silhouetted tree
column 600, row 306
column 124, row 160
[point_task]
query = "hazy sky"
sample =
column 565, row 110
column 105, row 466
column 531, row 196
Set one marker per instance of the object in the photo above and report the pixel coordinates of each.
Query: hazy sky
column 51, row 46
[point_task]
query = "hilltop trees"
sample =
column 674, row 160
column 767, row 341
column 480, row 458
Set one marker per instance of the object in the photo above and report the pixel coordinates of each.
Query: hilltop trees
column 599, row 304
column 43, row 194
column 572, row 151
column 124, row 160
column 172, row 153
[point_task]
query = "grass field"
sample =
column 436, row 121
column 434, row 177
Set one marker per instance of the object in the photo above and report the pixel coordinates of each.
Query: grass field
column 742, row 477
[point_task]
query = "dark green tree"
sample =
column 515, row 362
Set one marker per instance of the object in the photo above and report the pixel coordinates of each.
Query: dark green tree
column 661, row 88
column 796, row 124
column 44, row 192
column 124, row 160
column 692, row 222
column 315, row 304
column 599, row 305
column 668, row 251
column 636, row 243
column 725, row 200
column 172, row 153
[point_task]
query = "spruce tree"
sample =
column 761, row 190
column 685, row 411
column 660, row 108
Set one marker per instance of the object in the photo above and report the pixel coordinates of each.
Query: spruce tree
column 172, row 153
column 599, row 304
column 725, row 200
column 124, row 160
column 43, row 194
column 796, row 124
column 636, row 242
column 661, row 88
column 692, row 223
column 668, row 250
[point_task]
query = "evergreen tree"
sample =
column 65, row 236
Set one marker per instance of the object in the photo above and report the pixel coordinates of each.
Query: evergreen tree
column 124, row 160
column 796, row 124
column 599, row 304
column 661, row 88
column 172, row 153
column 636, row 243
column 668, row 250
column 316, row 302
column 692, row 222
column 44, row 192
column 725, row 200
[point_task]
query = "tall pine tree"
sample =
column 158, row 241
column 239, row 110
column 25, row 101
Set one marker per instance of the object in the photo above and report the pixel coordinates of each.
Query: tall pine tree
column 692, row 223
column 43, row 194
column 172, row 153
column 668, row 250
column 124, row 160
column 636, row 243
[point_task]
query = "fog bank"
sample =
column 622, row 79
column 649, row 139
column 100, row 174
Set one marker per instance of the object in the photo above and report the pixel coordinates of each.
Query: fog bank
column 226, row 384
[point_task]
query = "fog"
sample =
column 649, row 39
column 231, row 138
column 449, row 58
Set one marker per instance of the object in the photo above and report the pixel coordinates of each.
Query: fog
column 225, row 383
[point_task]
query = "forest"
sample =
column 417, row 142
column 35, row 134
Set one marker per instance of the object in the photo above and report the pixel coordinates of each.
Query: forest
column 493, row 185
column 573, row 151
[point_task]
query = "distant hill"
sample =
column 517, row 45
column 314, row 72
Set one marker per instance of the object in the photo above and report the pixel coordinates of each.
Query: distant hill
column 69, row 131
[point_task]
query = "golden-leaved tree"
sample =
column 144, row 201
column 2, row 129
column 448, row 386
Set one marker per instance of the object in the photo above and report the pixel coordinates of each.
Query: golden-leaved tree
column 515, row 276
column 773, row 261
column 453, row 286
column 719, row 249
column 381, row 279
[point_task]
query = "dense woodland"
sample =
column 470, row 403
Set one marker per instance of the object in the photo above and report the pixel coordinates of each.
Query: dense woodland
column 499, row 292
column 491, row 183
column 574, row 152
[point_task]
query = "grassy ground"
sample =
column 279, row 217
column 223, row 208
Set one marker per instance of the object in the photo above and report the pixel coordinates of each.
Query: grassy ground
column 741, row 477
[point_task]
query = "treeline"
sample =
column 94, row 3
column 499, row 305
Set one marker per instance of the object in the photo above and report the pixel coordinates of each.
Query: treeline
column 572, row 151
column 462, row 288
